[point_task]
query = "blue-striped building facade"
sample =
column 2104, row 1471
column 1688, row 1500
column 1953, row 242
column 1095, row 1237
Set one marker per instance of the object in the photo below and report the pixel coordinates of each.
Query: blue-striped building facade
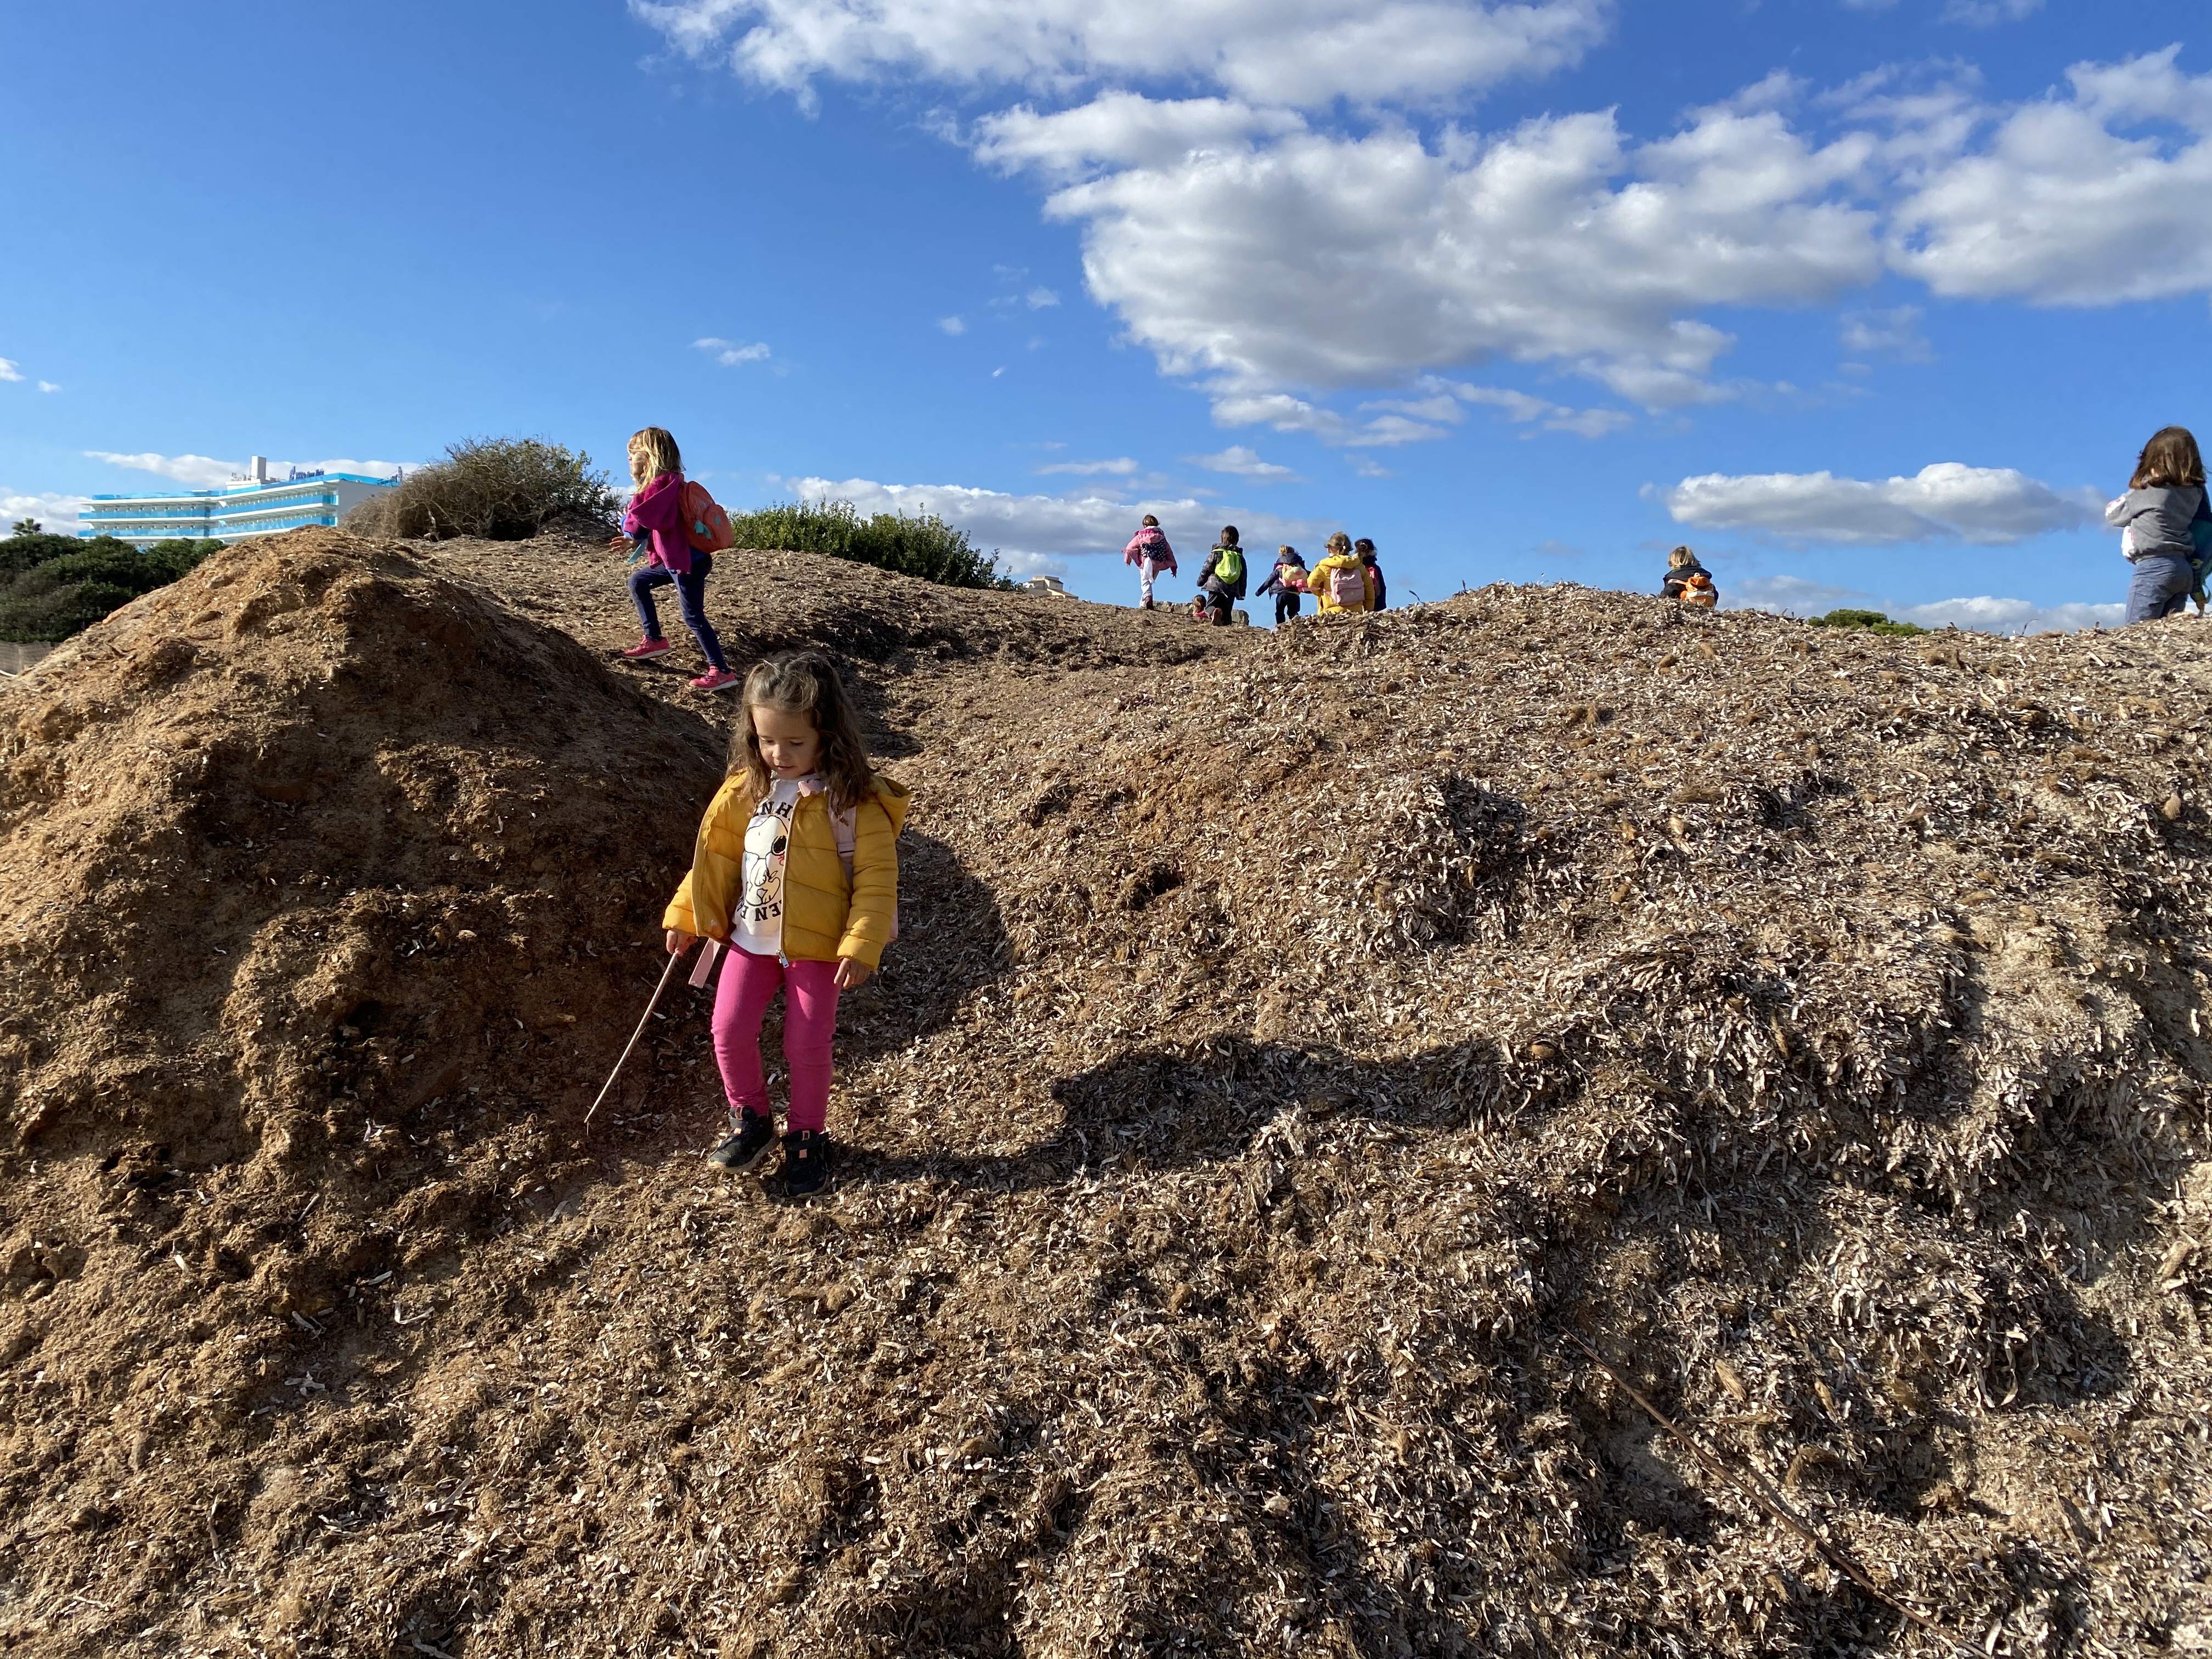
column 239, row 510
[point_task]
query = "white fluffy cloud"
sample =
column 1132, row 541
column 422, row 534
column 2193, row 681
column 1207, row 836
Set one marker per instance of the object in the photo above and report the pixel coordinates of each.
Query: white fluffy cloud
column 205, row 473
column 57, row 514
column 1795, row 596
column 1948, row 501
column 1323, row 260
column 1255, row 237
column 1239, row 462
column 199, row 471
column 2090, row 198
column 1047, row 527
column 1282, row 51
column 10, row 369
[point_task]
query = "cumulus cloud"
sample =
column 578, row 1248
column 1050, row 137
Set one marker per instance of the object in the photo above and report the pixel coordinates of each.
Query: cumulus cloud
column 2088, row 198
column 199, row 471
column 205, row 473
column 1051, row 527
column 1993, row 616
column 1038, row 298
column 1326, row 260
column 952, row 324
column 57, row 515
column 1298, row 52
column 1313, row 217
column 1239, row 462
column 10, row 369
column 729, row 353
column 1948, row 501
column 48, row 385
column 1797, row 596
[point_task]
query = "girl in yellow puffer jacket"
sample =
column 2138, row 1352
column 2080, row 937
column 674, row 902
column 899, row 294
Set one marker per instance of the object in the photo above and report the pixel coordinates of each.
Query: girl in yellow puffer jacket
column 1341, row 582
column 796, row 870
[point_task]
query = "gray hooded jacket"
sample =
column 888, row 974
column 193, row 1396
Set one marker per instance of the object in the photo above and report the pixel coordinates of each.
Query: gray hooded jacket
column 2158, row 519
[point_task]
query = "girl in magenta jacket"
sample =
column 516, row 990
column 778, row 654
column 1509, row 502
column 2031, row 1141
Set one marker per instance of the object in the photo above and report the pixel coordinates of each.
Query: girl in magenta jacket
column 1149, row 551
column 656, row 517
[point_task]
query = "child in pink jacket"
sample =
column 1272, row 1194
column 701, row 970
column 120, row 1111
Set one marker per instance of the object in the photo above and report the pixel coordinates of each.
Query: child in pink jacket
column 1149, row 551
column 656, row 516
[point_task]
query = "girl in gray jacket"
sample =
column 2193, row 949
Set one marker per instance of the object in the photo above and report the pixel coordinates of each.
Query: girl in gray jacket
column 2165, row 499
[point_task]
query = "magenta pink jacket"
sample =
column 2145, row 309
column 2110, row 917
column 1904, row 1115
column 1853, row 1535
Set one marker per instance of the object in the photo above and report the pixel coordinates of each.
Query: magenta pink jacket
column 1150, row 543
column 657, row 509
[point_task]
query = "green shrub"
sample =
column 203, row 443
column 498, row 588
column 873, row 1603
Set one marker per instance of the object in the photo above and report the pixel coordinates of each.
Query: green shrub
column 1872, row 620
column 19, row 553
column 505, row 489
column 53, row 587
column 923, row 545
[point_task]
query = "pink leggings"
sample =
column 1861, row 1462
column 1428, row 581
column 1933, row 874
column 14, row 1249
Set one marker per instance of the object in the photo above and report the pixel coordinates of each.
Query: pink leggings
column 810, row 1020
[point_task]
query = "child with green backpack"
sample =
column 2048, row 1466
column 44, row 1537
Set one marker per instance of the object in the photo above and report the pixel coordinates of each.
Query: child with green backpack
column 1222, row 578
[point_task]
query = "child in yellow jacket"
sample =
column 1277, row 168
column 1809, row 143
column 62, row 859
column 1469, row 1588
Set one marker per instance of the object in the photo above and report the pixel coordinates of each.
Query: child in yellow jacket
column 1342, row 581
column 796, row 870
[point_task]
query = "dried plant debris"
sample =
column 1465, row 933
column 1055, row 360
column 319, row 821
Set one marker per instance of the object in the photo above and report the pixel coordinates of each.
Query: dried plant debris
column 1298, row 1047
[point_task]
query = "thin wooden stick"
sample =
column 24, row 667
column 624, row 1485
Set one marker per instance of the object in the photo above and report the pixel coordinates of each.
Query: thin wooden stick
column 674, row 956
column 1769, row 1499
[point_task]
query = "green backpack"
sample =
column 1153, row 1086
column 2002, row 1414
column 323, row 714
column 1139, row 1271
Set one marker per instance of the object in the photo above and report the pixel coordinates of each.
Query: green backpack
column 1229, row 564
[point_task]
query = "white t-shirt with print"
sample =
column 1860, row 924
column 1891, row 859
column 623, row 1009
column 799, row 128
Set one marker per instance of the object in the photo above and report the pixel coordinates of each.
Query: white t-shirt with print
column 757, row 926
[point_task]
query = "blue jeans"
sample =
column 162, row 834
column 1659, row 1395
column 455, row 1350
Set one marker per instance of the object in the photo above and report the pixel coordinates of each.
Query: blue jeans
column 690, row 599
column 2160, row 587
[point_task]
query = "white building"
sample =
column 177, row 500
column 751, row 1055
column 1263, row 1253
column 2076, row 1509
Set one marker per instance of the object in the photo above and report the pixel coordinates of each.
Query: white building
column 252, row 504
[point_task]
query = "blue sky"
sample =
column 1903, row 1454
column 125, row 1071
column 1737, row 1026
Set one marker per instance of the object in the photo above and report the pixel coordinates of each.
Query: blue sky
column 1863, row 300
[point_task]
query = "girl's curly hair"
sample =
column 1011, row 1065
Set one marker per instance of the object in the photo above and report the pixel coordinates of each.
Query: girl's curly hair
column 803, row 682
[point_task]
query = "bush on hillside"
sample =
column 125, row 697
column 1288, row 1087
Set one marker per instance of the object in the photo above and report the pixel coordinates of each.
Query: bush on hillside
column 53, row 587
column 1873, row 620
column 923, row 545
column 504, row 489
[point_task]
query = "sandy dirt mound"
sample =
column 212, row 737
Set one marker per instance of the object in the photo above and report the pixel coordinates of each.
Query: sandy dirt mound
column 1296, row 1047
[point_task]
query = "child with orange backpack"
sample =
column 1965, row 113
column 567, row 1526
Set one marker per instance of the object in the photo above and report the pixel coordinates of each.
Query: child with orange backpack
column 1688, row 582
column 679, row 529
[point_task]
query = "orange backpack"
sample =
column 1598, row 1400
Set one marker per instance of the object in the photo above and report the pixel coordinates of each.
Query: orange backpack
column 705, row 527
column 1700, row 591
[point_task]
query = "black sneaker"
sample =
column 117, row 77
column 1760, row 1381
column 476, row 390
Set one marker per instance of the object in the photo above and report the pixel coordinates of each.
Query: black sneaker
column 805, row 1162
column 745, row 1149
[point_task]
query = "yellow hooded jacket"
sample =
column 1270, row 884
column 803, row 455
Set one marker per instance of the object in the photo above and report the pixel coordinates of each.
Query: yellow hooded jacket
column 826, row 915
column 1317, row 583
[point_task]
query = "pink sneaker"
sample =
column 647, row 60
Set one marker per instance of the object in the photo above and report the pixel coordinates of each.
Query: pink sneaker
column 714, row 679
column 647, row 648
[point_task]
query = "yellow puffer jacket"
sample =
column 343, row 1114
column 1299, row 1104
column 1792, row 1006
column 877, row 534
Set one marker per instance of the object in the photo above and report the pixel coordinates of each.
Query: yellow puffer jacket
column 825, row 915
column 1318, row 583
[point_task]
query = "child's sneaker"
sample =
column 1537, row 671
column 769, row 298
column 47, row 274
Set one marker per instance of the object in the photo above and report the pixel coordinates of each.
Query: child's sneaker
column 644, row 648
column 744, row 1149
column 805, row 1162
column 714, row 679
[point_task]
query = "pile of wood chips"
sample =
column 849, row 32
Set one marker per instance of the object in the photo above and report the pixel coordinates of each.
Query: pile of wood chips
column 1335, row 1093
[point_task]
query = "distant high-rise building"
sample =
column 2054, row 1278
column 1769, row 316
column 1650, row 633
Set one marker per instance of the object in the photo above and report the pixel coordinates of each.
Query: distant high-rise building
column 251, row 504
